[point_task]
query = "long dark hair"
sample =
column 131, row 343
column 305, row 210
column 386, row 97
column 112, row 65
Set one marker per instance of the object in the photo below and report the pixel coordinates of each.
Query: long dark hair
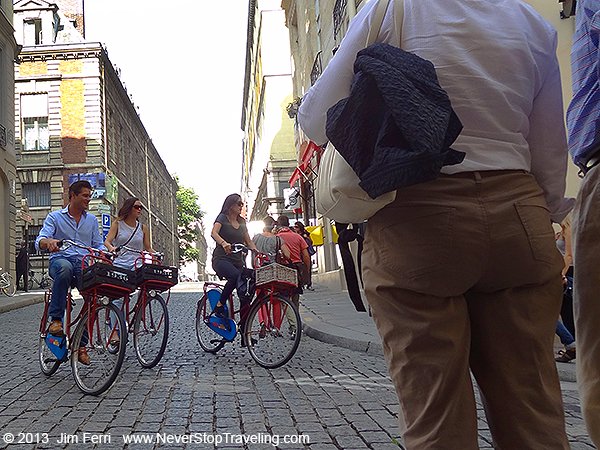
column 300, row 226
column 127, row 207
column 230, row 200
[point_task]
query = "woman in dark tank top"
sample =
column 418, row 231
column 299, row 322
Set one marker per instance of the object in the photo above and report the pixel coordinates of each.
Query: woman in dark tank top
column 229, row 228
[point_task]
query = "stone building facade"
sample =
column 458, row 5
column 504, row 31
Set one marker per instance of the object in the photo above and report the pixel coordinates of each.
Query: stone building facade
column 269, row 154
column 8, row 170
column 75, row 120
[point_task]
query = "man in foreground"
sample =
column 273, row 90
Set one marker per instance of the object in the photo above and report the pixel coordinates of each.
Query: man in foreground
column 462, row 272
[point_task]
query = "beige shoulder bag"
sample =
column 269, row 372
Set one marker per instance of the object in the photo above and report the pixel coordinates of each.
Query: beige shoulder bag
column 337, row 193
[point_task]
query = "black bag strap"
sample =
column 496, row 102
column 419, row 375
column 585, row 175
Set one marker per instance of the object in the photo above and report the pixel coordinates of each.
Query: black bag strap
column 347, row 235
column 130, row 237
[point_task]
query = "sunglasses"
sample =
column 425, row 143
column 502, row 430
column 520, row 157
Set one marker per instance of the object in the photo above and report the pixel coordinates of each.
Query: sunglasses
column 140, row 207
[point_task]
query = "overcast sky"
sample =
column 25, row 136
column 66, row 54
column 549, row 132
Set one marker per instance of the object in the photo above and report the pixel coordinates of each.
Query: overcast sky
column 183, row 63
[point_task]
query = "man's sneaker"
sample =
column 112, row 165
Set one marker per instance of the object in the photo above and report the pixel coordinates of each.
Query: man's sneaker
column 56, row 328
column 565, row 356
column 83, row 357
column 220, row 312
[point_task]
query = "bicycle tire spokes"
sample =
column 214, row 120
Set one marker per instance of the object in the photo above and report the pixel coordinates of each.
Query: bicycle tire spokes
column 7, row 284
column 105, row 356
column 273, row 331
column 151, row 330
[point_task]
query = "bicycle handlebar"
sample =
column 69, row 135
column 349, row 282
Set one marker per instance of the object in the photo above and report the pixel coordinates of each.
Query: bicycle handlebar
column 154, row 255
column 237, row 248
column 92, row 250
column 129, row 249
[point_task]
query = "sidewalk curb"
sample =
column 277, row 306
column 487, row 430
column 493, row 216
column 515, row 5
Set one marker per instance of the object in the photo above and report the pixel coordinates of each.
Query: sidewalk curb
column 19, row 303
column 336, row 335
column 347, row 338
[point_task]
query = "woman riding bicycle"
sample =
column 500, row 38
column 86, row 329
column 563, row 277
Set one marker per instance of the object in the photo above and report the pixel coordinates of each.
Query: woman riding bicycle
column 128, row 231
column 230, row 228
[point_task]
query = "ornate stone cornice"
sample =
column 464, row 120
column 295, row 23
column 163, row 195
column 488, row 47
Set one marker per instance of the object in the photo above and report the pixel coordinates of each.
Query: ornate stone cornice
column 59, row 52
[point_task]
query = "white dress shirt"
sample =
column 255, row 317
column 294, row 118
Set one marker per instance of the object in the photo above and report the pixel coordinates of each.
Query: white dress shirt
column 496, row 59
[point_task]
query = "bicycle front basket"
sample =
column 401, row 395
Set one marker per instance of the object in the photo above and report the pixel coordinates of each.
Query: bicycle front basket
column 157, row 277
column 276, row 273
column 108, row 280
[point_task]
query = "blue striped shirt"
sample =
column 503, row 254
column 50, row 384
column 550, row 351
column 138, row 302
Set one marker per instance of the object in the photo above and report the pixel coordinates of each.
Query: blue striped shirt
column 61, row 225
column 583, row 114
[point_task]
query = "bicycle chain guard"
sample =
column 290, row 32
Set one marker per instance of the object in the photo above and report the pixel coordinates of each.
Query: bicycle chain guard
column 224, row 327
column 57, row 345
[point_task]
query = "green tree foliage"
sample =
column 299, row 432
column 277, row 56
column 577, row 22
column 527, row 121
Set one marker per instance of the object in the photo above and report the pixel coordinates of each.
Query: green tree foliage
column 189, row 215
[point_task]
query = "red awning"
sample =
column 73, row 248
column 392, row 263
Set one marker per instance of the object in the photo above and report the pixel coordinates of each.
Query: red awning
column 308, row 154
column 295, row 176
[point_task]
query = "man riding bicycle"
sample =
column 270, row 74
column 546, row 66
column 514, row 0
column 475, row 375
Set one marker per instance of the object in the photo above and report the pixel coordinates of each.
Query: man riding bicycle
column 75, row 223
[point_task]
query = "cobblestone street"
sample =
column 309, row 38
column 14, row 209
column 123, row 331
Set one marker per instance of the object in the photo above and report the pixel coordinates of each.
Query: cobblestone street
column 340, row 398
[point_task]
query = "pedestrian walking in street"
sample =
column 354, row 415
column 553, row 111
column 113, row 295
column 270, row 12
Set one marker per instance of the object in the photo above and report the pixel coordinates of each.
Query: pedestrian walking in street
column 301, row 230
column 462, row 272
column 269, row 243
column 565, row 327
column 22, row 265
column 583, row 122
column 299, row 257
column 298, row 250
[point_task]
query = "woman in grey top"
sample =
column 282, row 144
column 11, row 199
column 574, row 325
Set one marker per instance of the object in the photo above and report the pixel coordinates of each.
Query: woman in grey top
column 267, row 242
column 127, row 230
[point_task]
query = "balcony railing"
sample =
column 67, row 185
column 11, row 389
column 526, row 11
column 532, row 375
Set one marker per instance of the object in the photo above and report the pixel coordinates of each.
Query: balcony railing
column 339, row 14
column 317, row 69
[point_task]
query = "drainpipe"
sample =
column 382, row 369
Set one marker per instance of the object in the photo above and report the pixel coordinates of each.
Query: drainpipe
column 149, row 202
column 104, row 116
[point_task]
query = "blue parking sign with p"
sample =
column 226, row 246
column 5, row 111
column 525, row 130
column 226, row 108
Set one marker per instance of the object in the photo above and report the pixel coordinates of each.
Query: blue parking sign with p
column 105, row 220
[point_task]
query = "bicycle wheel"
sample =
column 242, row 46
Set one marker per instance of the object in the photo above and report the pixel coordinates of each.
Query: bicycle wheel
column 151, row 330
column 209, row 340
column 48, row 360
column 106, row 357
column 45, row 282
column 273, row 330
column 10, row 287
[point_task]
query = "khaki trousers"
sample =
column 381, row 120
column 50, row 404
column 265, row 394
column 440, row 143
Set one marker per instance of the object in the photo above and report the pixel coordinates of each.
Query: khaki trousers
column 462, row 274
column 586, row 298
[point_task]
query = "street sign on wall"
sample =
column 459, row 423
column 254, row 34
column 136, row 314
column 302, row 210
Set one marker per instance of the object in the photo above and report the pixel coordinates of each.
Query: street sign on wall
column 291, row 198
column 105, row 220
